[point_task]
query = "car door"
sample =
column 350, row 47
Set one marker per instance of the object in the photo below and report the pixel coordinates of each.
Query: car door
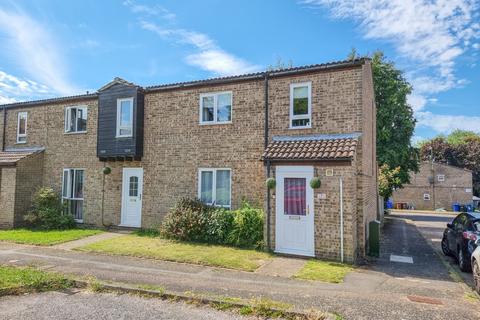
column 452, row 233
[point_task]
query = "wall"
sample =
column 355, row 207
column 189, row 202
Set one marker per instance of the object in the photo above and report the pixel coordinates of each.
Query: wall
column 453, row 189
column 7, row 196
column 29, row 178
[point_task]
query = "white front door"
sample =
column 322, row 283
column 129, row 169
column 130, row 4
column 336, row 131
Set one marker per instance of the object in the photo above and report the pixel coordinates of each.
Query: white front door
column 132, row 190
column 294, row 222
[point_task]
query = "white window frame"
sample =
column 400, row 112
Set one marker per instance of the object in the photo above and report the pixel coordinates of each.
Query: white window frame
column 119, row 103
column 426, row 197
column 70, row 184
column 215, row 107
column 214, row 185
column 23, row 135
column 441, row 178
column 303, row 116
column 68, row 115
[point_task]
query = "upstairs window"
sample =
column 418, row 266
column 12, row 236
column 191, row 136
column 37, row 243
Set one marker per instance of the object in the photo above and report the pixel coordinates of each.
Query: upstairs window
column 72, row 192
column 216, row 108
column 22, row 127
column 75, row 119
column 300, row 105
column 124, row 118
column 214, row 187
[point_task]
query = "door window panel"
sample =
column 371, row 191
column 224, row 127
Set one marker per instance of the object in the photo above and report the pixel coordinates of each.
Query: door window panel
column 133, row 187
column 295, row 196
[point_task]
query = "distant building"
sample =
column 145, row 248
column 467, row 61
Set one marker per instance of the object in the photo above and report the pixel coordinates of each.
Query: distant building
column 435, row 186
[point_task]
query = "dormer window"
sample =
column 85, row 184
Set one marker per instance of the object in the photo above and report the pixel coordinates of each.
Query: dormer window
column 300, row 105
column 216, row 108
column 124, row 118
column 75, row 119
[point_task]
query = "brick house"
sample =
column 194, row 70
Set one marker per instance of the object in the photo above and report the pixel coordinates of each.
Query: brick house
column 218, row 140
column 436, row 185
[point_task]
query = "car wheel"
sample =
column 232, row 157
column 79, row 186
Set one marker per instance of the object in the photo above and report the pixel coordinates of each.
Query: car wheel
column 445, row 249
column 463, row 262
column 476, row 275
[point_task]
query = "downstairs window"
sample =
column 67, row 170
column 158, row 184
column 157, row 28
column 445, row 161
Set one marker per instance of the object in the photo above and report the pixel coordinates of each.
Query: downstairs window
column 72, row 192
column 214, row 187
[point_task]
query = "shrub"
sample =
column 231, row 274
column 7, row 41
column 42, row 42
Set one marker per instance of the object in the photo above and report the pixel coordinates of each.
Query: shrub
column 247, row 227
column 48, row 211
column 219, row 226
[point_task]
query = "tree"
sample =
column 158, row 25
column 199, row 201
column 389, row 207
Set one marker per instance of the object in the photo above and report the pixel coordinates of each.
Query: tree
column 460, row 136
column 395, row 123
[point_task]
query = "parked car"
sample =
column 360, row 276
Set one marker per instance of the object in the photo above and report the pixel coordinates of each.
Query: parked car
column 476, row 267
column 460, row 238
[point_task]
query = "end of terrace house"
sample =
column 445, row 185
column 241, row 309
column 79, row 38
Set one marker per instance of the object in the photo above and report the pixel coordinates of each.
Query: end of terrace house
column 217, row 139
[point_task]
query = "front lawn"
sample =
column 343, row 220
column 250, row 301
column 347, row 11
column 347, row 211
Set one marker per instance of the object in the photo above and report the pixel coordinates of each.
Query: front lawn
column 156, row 248
column 23, row 280
column 324, row 271
column 45, row 238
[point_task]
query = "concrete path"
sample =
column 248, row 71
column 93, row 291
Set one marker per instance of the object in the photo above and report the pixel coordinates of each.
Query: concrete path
column 385, row 289
column 281, row 267
column 88, row 240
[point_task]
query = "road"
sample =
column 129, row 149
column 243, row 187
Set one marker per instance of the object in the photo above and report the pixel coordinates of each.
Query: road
column 84, row 305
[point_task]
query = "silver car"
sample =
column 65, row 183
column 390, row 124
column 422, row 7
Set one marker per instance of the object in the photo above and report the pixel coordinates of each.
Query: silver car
column 476, row 266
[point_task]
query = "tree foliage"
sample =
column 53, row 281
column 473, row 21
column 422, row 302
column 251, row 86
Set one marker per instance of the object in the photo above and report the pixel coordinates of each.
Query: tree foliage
column 395, row 124
column 460, row 149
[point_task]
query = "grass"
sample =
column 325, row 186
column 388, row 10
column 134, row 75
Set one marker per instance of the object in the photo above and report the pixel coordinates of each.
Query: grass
column 45, row 238
column 326, row 271
column 156, row 248
column 15, row 280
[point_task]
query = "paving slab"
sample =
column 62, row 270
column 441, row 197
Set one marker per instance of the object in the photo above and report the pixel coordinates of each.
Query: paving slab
column 88, row 240
column 282, row 267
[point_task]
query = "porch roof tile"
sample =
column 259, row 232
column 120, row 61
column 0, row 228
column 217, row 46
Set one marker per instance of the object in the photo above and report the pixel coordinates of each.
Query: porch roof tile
column 9, row 158
column 319, row 147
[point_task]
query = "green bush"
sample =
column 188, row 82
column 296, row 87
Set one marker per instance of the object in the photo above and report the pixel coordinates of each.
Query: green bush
column 191, row 220
column 48, row 212
column 247, row 227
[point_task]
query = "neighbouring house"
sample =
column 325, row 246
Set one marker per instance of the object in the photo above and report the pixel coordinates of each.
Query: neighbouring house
column 435, row 186
column 218, row 140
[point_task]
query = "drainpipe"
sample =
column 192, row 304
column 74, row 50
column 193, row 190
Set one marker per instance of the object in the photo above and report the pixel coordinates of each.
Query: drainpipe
column 268, row 162
column 4, row 127
column 341, row 219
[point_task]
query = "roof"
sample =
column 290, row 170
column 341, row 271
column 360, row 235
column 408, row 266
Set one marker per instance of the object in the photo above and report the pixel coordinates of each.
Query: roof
column 445, row 165
column 219, row 80
column 10, row 158
column 314, row 148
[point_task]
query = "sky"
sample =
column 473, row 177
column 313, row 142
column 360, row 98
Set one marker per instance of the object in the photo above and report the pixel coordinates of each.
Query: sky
column 52, row 48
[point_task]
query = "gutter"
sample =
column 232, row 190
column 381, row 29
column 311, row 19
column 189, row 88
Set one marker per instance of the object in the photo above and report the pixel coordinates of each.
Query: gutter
column 268, row 162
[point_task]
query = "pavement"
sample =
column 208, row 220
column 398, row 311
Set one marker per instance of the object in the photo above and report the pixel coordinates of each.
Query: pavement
column 389, row 287
column 84, row 305
column 86, row 241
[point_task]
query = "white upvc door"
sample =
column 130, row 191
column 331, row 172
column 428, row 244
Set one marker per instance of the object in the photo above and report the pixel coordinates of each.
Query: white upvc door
column 132, row 190
column 294, row 222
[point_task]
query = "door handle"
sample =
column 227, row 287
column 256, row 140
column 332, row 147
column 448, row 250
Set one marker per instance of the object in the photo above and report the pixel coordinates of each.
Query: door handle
column 308, row 210
column 140, row 196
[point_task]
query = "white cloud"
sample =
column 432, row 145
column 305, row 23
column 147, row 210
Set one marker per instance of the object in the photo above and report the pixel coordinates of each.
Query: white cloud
column 155, row 10
column 447, row 123
column 34, row 48
column 13, row 89
column 209, row 55
column 430, row 34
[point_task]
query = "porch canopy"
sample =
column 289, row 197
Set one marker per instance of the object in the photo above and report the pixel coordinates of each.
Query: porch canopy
column 312, row 147
column 10, row 158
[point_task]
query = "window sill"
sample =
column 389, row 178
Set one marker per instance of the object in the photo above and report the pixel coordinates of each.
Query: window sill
column 123, row 137
column 296, row 128
column 74, row 133
column 21, row 142
column 214, row 123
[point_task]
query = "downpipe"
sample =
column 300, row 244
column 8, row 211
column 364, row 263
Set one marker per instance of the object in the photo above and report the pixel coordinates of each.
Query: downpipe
column 341, row 219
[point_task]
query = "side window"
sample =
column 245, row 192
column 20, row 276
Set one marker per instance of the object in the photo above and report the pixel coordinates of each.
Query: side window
column 426, row 196
column 216, row 108
column 124, row 118
column 301, row 105
column 441, row 178
column 22, row 127
column 75, row 119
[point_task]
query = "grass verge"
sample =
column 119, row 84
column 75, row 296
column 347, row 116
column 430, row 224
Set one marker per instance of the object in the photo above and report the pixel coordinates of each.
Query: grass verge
column 43, row 237
column 325, row 271
column 156, row 248
column 15, row 280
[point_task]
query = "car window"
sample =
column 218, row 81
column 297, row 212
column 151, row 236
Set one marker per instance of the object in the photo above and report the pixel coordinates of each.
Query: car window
column 458, row 221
